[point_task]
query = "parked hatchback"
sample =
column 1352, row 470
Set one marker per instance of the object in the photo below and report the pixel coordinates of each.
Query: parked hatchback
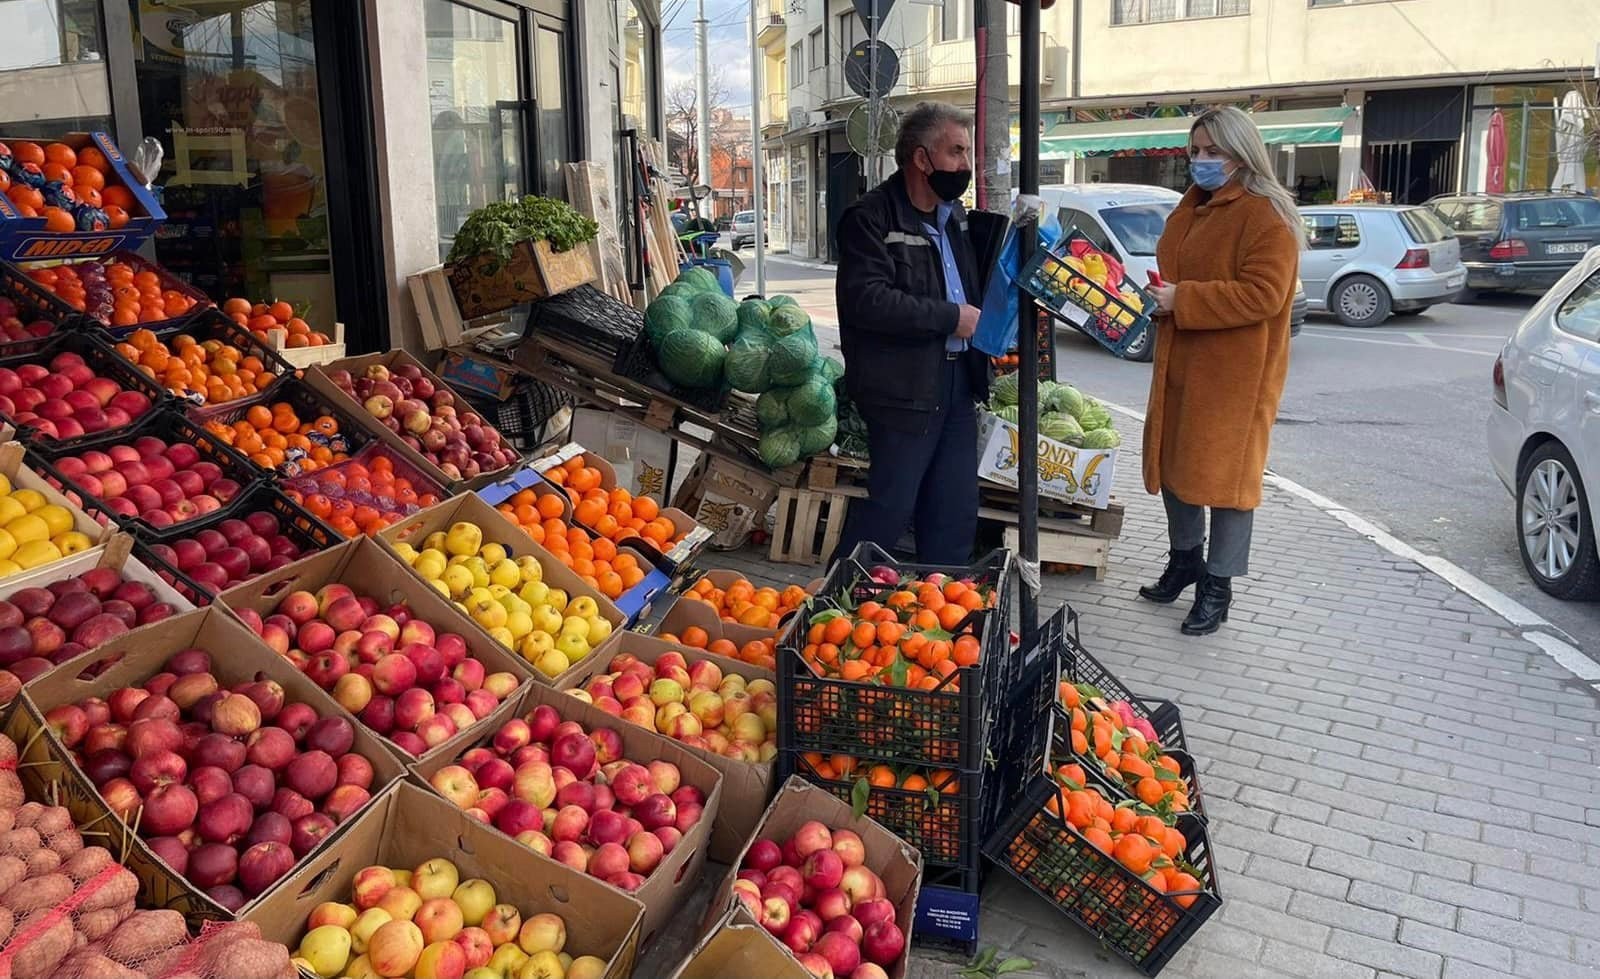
column 744, row 229
column 1544, row 433
column 1364, row 262
column 1520, row 241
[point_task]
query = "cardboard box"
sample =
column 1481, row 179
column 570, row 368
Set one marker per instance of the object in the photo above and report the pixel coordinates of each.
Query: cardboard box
column 470, row 508
column 666, row 891
column 13, row 466
column 408, row 826
column 685, row 613
column 678, row 554
column 132, row 658
column 1066, row 472
column 372, row 569
column 318, row 378
column 729, row 499
column 745, row 785
column 116, row 552
column 641, row 458
column 26, row 240
column 467, row 370
column 736, row 947
column 797, row 802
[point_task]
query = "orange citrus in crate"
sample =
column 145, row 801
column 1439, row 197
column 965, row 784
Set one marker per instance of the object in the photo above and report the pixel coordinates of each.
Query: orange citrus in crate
column 276, row 437
column 1126, row 749
column 258, row 318
column 906, row 640
column 596, row 560
column 211, row 371
column 359, row 497
column 117, row 291
column 84, row 176
column 746, row 603
column 615, row 514
column 757, row 652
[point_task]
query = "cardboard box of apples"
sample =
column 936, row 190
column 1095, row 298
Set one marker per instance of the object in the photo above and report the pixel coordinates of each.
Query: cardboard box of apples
column 723, row 710
column 213, row 763
column 623, row 804
column 419, row 888
column 736, row 946
column 396, row 654
column 835, row 891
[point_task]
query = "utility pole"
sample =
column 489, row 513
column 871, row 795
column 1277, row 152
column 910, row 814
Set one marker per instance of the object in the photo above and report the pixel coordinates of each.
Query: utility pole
column 993, row 137
column 758, row 177
column 702, row 85
column 1028, row 333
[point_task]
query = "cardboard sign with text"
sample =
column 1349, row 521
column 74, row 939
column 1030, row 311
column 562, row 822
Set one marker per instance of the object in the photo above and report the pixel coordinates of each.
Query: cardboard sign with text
column 729, row 499
column 1066, row 472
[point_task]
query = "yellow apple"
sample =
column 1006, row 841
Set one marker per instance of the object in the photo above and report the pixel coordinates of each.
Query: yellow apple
column 458, row 579
column 407, row 553
column 583, row 606
column 492, row 552
column 507, row 959
column 558, row 600
column 434, row 541
column 505, row 572
column 574, row 647
column 518, row 624
column 436, row 878
column 535, row 644
column 553, row 663
column 370, row 921
column 430, row 564
column 542, row 965
column 599, row 630
column 546, row 618
column 475, row 897
column 535, row 593
column 576, row 625
column 463, row 538
column 327, row 948
column 530, row 569
column 543, row 933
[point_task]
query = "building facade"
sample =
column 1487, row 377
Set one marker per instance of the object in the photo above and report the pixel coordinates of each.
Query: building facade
column 1397, row 95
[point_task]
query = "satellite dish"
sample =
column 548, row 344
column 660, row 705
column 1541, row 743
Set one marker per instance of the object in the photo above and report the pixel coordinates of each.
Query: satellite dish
column 858, row 130
column 858, row 72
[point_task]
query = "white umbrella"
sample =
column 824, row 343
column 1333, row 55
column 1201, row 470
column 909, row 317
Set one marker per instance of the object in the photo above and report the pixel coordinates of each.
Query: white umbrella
column 1571, row 121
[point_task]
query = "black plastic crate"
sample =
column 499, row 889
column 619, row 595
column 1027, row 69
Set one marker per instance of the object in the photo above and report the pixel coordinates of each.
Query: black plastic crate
column 167, row 423
column 34, row 303
column 523, row 415
column 1143, row 925
column 212, row 324
column 308, row 404
column 101, row 318
column 1079, row 666
column 294, row 522
column 101, row 358
column 588, row 318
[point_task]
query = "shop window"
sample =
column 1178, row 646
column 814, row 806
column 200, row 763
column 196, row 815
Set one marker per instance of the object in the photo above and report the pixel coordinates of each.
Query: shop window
column 639, row 54
column 797, row 64
column 1580, row 314
column 1325, row 231
column 40, row 33
column 1159, row 11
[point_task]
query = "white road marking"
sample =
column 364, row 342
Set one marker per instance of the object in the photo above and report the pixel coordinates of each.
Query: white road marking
column 1421, row 339
column 1531, row 625
column 1396, row 343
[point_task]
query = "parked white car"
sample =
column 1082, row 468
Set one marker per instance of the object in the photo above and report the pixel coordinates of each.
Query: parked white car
column 1544, row 433
column 1365, row 261
column 744, row 229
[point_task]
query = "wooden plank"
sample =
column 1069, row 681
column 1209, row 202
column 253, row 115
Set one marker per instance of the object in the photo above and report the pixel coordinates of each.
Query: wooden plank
column 827, row 472
column 1068, row 548
column 589, row 189
column 803, row 514
column 659, row 415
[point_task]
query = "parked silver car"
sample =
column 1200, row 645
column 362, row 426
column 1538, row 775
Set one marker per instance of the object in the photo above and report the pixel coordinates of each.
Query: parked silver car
column 1363, row 262
column 744, row 229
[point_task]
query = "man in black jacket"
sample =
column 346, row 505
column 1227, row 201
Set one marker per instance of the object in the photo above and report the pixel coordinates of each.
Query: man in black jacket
column 906, row 292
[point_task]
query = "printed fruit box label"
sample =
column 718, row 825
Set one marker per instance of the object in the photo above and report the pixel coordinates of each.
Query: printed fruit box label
column 1066, row 472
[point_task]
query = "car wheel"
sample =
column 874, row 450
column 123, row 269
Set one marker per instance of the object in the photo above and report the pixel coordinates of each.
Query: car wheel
column 1144, row 348
column 1555, row 531
column 1361, row 301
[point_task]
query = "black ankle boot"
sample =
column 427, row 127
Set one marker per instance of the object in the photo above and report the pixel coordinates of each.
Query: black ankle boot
column 1211, row 601
column 1184, row 568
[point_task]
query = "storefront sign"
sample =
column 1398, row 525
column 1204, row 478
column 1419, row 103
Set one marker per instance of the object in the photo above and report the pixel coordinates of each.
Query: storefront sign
column 1066, row 472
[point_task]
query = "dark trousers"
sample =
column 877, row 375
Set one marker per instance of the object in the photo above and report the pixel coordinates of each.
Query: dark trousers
column 928, row 481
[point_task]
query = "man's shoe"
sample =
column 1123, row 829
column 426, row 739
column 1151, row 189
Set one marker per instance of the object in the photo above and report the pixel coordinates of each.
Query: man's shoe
column 1211, row 601
column 1184, row 568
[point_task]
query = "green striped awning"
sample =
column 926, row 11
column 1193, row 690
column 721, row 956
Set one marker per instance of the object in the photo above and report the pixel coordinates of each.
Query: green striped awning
column 1291, row 127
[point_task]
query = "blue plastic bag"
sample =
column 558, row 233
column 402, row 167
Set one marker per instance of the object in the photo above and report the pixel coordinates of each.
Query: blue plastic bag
column 997, row 320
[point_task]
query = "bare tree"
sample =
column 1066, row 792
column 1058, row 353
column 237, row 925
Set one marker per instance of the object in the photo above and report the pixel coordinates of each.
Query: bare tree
column 683, row 121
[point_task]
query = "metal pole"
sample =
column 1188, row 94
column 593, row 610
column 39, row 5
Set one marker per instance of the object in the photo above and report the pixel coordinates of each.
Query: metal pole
column 702, row 97
column 992, row 142
column 874, row 169
column 1028, row 332
column 758, row 176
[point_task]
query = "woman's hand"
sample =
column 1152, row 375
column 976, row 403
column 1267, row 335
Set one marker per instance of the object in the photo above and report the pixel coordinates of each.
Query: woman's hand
column 1166, row 297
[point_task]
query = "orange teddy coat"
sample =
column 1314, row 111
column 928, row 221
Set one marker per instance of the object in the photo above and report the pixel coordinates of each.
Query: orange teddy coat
column 1222, row 356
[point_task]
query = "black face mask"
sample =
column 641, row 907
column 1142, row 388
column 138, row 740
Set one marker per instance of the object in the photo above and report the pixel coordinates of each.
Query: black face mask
column 948, row 184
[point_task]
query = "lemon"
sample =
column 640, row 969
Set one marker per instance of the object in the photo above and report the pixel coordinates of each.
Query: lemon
column 72, row 542
column 8, row 544
column 10, row 510
column 56, row 517
column 31, row 500
column 8, row 567
column 5, row 485
column 29, row 527
column 36, row 552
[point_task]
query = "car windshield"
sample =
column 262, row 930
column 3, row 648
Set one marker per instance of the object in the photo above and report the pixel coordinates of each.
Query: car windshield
column 1557, row 212
column 1137, row 226
column 745, row 217
column 1424, row 226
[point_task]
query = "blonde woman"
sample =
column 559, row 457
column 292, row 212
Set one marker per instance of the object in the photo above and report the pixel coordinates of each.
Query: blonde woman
column 1228, row 261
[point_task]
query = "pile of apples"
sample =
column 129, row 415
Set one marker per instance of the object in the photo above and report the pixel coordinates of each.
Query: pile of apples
column 509, row 597
column 66, row 398
column 426, row 417
column 815, row 894
column 230, row 786
column 235, row 550
column 34, row 531
column 428, row 922
column 691, row 703
column 159, row 483
column 12, row 327
column 570, row 795
column 44, row 627
column 402, row 677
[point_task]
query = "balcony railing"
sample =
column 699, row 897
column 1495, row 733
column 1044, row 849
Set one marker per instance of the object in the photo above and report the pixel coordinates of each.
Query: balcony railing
column 770, row 25
column 776, row 109
column 954, row 64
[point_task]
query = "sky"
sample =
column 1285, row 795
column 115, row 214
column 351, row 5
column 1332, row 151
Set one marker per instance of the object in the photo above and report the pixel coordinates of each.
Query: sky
column 727, row 41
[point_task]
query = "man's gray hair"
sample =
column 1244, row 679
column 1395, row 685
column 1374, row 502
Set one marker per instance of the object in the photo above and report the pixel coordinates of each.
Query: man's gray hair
column 922, row 124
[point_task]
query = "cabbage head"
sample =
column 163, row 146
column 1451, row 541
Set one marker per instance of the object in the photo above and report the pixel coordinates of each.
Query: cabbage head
column 812, row 403
column 832, row 369
column 794, row 358
column 1061, row 427
column 746, row 365
column 665, row 314
column 1003, row 390
column 817, row 438
column 1006, row 413
column 1063, row 398
column 780, row 447
column 691, row 358
column 789, row 319
column 1094, row 416
column 772, row 408
column 716, row 314
column 1101, row 438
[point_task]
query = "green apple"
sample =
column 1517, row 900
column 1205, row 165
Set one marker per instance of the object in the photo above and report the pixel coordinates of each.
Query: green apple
column 327, row 948
column 574, row 647
column 535, row 593
column 475, row 897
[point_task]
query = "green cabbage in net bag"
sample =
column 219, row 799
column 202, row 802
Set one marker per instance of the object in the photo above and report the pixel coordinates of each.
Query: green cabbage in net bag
column 700, row 279
column 691, row 358
column 817, row 438
column 665, row 314
column 715, row 314
column 1064, row 398
column 1007, row 413
column 812, row 403
column 746, row 366
column 789, row 319
column 1101, row 438
column 781, row 300
column 793, row 359
column 1061, row 427
column 772, row 408
column 832, row 369
column 1094, row 416
column 1003, row 390
column 779, row 447
column 753, row 315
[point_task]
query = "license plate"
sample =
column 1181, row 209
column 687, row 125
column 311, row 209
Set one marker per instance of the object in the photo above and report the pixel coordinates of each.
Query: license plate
column 1566, row 248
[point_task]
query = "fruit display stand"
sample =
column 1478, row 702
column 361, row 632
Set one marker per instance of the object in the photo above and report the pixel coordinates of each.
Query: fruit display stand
column 320, row 377
column 46, row 764
column 746, row 784
column 335, row 481
column 635, row 603
column 370, row 569
column 666, row 890
column 29, row 310
column 354, row 430
column 689, row 612
column 897, row 866
column 736, row 946
column 24, row 239
column 37, row 364
column 92, row 276
column 494, row 528
column 408, row 827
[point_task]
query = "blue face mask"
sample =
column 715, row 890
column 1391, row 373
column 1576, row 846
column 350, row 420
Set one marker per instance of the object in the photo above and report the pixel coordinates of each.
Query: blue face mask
column 1208, row 174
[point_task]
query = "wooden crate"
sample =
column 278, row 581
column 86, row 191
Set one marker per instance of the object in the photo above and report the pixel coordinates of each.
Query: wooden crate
column 485, row 284
column 825, row 472
column 278, row 340
column 1068, row 546
column 810, row 523
column 1105, row 522
column 437, row 313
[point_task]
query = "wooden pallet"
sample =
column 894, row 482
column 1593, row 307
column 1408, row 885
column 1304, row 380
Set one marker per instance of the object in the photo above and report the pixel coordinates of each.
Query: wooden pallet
column 1105, row 522
column 1068, row 547
column 826, row 472
column 810, row 523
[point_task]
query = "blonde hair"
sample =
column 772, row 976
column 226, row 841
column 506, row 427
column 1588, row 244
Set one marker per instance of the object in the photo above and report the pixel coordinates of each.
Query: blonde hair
column 1235, row 133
